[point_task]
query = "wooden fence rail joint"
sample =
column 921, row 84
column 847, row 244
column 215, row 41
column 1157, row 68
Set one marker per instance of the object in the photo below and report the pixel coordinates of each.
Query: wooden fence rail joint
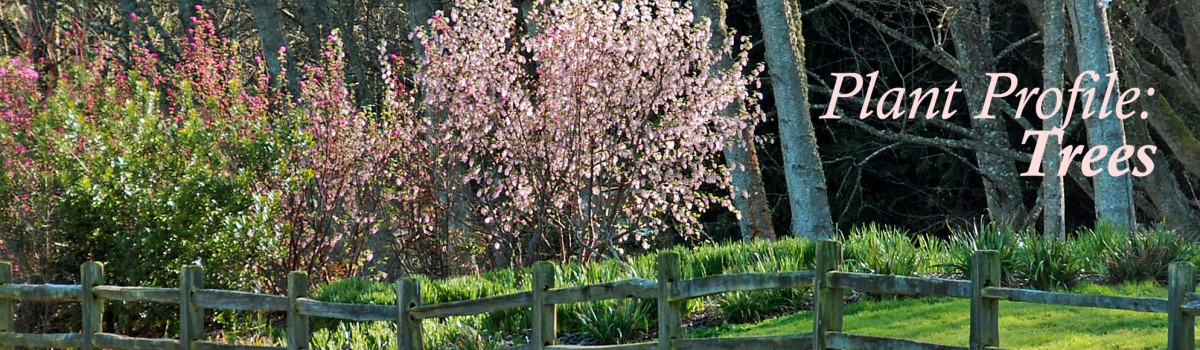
column 1181, row 325
column 544, row 314
column 298, row 333
column 985, row 311
column 670, row 313
column 191, row 316
column 827, row 316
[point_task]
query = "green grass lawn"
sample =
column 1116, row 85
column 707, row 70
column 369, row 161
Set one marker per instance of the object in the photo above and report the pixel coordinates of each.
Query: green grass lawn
column 1022, row 325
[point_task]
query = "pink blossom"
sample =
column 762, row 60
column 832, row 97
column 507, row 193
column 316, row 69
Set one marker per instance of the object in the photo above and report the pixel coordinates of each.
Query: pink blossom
column 590, row 121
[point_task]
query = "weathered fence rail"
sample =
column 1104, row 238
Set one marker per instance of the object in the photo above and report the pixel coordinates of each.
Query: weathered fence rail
column 41, row 292
column 828, row 283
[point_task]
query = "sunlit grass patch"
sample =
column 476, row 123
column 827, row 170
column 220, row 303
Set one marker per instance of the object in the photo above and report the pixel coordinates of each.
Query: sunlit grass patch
column 1022, row 325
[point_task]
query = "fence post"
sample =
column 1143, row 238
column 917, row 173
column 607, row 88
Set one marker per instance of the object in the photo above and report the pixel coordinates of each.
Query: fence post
column 6, row 305
column 985, row 312
column 670, row 314
column 828, row 298
column 298, row 335
column 191, row 317
column 545, row 318
column 1181, row 327
column 91, row 274
column 409, row 333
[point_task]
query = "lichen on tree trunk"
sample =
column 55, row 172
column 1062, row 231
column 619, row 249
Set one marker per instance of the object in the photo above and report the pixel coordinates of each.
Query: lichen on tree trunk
column 1093, row 48
column 970, row 27
column 807, row 197
column 1054, row 33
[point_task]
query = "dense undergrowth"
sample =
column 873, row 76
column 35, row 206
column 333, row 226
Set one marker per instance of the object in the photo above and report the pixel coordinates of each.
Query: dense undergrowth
column 465, row 163
column 1104, row 256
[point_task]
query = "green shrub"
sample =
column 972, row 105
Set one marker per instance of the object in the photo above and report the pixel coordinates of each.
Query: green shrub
column 352, row 290
column 746, row 307
column 616, row 321
column 742, row 307
column 934, row 253
column 1145, row 255
column 881, row 250
column 785, row 254
column 355, row 290
column 990, row 236
column 1093, row 245
column 465, row 288
column 1050, row 263
column 356, row 336
column 490, row 284
column 460, row 333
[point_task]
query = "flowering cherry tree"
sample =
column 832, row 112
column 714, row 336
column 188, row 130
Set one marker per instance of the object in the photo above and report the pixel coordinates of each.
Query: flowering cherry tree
column 588, row 130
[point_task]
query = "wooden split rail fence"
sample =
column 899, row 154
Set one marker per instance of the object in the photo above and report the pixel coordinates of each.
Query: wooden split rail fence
column 670, row 291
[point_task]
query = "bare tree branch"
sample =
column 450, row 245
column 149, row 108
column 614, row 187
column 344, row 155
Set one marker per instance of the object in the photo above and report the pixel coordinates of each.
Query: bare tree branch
column 1015, row 45
column 1155, row 35
column 819, row 7
column 937, row 142
column 939, row 56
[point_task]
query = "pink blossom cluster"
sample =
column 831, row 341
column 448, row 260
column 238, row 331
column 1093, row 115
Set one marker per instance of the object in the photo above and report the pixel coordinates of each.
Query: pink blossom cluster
column 600, row 126
column 18, row 86
column 18, row 94
column 215, row 78
column 22, row 184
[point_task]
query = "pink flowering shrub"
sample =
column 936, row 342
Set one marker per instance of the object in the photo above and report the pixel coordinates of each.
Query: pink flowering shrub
column 155, row 165
column 594, row 133
column 25, row 188
column 149, row 169
column 330, row 202
column 18, row 86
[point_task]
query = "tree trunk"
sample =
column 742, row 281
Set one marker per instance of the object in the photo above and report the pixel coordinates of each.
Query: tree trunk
column 356, row 69
column 1189, row 22
column 1093, row 46
column 313, row 16
column 970, row 26
column 270, row 33
column 1178, row 136
column 419, row 13
column 807, row 195
column 42, row 18
column 1053, row 34
column 747, row 190
column 187, row 11
column 1161, row 185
